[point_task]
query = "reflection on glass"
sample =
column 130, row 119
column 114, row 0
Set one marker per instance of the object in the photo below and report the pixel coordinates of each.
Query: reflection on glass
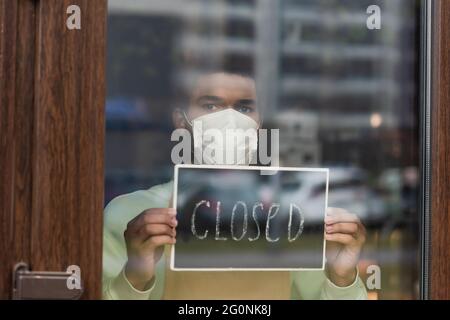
column 343, row 96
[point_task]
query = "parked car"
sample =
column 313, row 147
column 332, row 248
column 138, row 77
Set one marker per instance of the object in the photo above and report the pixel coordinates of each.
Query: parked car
column 348, row 189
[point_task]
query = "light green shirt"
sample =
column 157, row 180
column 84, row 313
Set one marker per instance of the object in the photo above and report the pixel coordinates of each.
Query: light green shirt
column 304, row 284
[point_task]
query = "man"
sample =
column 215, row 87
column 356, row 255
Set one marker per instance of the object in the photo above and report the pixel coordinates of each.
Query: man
column 138, row 227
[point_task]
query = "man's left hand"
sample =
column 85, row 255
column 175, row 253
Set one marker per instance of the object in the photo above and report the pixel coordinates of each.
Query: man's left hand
column 345, row 235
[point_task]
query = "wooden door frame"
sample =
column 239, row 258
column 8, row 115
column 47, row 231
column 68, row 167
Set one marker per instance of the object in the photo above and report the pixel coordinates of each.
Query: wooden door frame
column 52, row 94
column 16, row 126
column 439, row 254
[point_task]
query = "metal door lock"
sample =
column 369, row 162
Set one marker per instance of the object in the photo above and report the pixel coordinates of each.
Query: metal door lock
column 42, row 285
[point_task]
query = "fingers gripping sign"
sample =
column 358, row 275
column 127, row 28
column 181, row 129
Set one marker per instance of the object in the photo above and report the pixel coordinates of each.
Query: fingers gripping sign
column 145, row 238
column 345, row 235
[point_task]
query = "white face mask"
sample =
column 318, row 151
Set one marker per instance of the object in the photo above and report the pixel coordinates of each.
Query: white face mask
column 225, row 137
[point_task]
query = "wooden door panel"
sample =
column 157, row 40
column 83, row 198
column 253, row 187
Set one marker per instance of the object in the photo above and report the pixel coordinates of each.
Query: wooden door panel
column 17, row 49
column 69, row 133
column 8, row 25
column 52, row 125
column 440, row 145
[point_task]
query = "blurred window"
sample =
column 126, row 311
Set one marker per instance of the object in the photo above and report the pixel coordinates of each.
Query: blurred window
column 343, row 96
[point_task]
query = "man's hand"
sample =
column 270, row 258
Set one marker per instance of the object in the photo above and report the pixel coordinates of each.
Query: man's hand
column 345, row 235
column 145, row 237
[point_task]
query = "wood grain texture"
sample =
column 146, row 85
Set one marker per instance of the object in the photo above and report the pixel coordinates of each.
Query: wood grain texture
column 52, row 95
column 440, row 189
column 16, row 114
column 68, row 142
column 23, row 122
column 8, row 23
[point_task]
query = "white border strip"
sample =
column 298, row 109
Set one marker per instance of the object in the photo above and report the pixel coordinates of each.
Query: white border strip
column 174, row 205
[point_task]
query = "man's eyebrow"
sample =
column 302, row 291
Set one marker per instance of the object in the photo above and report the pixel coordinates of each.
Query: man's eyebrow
column 208, row 99
column 245, row 101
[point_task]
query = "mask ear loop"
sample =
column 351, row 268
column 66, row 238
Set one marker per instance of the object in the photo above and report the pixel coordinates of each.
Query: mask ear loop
column 186, row 118
column 260, row 123
column 189, row 123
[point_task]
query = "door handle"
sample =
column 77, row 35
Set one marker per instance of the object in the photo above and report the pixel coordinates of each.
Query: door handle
column 42, row 285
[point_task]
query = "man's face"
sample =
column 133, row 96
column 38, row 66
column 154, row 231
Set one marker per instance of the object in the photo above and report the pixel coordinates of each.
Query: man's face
column 217, row 92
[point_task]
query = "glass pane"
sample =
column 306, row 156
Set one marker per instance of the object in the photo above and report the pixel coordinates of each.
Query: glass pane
column 338, row 79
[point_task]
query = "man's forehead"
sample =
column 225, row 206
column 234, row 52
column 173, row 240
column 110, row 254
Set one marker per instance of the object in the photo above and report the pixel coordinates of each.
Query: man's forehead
column 224, row 85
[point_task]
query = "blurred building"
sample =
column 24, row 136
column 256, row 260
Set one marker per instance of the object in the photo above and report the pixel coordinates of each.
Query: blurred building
column 305, row 55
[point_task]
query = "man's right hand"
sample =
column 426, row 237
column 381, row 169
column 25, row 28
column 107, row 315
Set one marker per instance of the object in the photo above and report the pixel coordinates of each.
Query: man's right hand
column 145, row 237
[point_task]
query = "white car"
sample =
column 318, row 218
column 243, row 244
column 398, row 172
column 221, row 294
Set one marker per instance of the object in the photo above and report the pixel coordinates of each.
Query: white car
column 347, row 189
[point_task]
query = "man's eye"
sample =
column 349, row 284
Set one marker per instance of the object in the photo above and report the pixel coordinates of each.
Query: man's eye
column 244, row 109
column 210, row 106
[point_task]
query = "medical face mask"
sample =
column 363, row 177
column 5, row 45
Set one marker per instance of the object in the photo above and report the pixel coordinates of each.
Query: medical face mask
column 225, row 137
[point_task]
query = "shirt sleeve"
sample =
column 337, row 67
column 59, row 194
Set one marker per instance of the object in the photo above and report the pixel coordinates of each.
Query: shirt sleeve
column 355, row 291
column 119, row 288
column 115, row 285
column 314, row 285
